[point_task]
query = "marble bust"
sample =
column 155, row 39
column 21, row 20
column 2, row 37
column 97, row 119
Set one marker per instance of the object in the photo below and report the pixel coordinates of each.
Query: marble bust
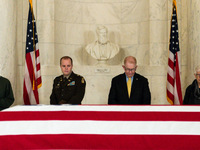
column 102, row 49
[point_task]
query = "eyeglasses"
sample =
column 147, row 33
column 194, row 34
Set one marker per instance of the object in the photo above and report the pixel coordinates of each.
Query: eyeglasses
column 198, row 75
column 130, row 70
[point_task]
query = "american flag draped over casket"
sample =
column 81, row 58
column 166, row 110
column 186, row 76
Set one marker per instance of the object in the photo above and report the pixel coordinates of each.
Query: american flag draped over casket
column 100, row 127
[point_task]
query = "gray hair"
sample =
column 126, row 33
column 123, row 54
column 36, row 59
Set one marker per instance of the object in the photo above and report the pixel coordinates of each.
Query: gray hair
column 197, row 69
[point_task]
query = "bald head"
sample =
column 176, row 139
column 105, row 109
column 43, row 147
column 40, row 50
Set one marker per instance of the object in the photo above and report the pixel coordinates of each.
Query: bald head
column 130, row 59
column 130, row 66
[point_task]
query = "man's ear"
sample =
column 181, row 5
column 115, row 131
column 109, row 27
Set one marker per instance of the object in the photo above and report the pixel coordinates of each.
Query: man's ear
column 135, row 67
column 123, row 67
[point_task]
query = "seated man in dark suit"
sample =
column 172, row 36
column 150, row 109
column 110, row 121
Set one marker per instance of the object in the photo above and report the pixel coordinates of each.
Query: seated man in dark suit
column 129, row 87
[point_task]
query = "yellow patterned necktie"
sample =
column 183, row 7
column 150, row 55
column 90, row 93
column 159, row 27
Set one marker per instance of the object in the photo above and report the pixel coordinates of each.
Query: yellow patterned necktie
column 129, row 86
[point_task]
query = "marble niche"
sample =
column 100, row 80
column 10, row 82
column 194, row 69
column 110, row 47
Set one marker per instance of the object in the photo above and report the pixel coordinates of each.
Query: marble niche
column 138, row 27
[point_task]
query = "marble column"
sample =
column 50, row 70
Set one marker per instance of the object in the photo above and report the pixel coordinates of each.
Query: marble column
column 158, row 49
column 8, row 40
column 194, row 36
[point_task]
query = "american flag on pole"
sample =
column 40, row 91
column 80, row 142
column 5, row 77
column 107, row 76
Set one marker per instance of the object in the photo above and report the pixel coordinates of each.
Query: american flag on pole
column 32, row 77
column 174, row 94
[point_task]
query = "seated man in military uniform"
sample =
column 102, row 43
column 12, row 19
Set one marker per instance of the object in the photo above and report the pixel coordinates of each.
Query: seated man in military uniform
column 68, row 88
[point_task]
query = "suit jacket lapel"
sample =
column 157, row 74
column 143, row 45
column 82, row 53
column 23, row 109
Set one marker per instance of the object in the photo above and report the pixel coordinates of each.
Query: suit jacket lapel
column 124, row 85
column 134, row 84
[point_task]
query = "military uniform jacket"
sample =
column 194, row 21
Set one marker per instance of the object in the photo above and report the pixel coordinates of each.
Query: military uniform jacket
column 70, row 90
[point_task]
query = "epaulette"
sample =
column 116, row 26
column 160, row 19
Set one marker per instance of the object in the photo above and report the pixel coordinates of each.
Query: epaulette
column 82, row 80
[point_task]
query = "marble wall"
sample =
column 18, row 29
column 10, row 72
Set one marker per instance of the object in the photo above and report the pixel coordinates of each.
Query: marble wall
column 193, row 37
column 140, row 27
column 8, row 40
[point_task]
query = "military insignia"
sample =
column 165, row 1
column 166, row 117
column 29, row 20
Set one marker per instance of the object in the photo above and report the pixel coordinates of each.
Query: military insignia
column 71, row 83
column 82, row 80
column 58, row 85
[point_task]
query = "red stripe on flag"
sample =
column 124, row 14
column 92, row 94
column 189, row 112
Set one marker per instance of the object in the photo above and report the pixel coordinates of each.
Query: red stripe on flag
column 98, row 115
column 36, row 95
column 39, row 80
column 25, row 95
column 171, row 64
column 37, row 53
column 87, row 141
column 30, row 69
column 178, row 81
column 38, row 67
column 170, row 95
column 170, row 79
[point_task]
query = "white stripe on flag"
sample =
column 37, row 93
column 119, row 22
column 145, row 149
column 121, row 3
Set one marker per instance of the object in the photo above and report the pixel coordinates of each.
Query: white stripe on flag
column 170, row 88
column 171, row 72
column 100, row 127
column 171, row 56
column 28, row 84
column 176, row 98
column 106, row 108
column 37, row 46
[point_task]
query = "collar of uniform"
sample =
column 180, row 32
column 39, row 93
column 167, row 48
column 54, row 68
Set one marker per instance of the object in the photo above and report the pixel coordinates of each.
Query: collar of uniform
column 71, row 76
column 66, row 77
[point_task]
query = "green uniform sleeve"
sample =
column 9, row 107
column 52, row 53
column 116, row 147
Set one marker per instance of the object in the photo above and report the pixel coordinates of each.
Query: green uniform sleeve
column 6, row 94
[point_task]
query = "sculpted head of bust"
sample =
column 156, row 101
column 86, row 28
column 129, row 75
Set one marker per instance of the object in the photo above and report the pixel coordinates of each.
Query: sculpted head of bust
column 102, row 33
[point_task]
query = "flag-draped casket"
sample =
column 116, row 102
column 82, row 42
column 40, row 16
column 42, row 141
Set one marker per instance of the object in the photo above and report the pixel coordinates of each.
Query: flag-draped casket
column 104, row 127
